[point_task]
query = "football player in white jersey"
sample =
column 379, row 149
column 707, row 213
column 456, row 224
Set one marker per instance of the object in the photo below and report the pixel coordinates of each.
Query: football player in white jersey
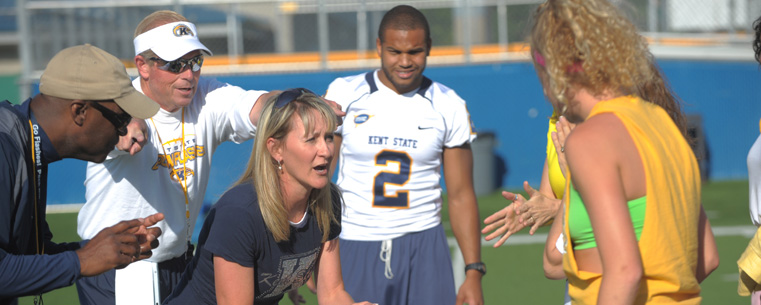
column 400, row 129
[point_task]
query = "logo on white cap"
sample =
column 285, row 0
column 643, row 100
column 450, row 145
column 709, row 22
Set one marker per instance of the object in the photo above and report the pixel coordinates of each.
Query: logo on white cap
column 182, row 30
column 170, row 41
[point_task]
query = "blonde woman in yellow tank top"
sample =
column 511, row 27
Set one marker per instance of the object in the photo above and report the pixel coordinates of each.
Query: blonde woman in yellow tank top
column 594, row 66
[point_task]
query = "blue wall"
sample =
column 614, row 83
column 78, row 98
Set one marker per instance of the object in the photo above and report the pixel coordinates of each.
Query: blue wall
column 507, row 99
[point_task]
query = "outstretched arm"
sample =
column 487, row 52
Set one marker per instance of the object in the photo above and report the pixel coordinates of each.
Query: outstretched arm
column 115, row 246
column 256, row 110
column 540, row 209
column 463, row 214
column 537, row 211
column 23, row 275
column 504, row 223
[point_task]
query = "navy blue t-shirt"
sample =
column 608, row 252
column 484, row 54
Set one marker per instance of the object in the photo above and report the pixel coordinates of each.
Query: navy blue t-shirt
column 235, row 231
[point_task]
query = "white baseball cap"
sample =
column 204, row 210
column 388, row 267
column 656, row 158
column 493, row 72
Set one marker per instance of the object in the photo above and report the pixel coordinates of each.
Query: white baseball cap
column 170, row 41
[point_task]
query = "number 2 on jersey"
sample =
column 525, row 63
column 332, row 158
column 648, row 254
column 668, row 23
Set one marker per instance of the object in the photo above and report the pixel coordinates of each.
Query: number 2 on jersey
column 400, row 199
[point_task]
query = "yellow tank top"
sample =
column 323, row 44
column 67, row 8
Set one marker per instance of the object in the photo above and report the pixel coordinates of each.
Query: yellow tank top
column 557, row 180
column 669, row 240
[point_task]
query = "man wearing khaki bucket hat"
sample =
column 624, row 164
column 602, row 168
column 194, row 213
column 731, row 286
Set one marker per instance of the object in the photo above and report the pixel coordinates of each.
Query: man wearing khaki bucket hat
column 86, row 101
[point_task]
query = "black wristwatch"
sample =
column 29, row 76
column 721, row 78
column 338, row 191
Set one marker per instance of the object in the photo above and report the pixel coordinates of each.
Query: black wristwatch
column 480, row 267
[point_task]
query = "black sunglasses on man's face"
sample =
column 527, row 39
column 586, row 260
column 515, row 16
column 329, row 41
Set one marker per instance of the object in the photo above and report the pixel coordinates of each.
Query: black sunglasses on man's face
column 120, row 121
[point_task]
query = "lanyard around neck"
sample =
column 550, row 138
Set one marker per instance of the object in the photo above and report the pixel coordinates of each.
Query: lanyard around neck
column 34, row 141
column 173, row 172
column 36, row 149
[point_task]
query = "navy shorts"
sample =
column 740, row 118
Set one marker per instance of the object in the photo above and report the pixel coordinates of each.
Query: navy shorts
column 419, row 273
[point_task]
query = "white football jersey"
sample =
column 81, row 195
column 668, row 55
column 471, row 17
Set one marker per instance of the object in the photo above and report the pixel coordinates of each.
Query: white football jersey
column 390, row 158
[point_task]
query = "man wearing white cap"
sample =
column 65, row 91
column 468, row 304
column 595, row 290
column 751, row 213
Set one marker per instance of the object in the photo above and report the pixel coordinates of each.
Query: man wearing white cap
column 170, row 174
column 85, row 104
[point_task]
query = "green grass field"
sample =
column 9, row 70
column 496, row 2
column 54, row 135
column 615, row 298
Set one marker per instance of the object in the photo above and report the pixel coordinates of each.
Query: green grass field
column 515, row 271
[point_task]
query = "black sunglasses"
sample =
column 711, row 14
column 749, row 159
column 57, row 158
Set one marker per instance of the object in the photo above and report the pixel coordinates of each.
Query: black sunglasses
column 120, row 121
column 290, row 95
column 179, row 65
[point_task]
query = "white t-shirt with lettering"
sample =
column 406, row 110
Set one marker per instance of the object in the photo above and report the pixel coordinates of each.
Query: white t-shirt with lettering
column 127, row 187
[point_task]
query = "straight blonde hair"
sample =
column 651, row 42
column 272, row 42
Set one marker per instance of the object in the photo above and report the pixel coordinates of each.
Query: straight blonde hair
column 262, row 167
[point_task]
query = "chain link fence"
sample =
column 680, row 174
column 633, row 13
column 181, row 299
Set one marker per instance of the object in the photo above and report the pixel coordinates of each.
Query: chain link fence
column 255, row 36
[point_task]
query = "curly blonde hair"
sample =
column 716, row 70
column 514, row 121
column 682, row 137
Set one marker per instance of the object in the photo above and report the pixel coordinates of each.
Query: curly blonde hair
column 591, row 45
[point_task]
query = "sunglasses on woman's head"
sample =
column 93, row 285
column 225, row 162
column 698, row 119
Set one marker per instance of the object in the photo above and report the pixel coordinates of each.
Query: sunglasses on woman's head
column 179, row 65
column 290, row 95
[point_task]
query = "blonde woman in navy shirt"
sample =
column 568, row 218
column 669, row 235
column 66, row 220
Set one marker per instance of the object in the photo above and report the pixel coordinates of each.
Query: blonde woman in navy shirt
column 279, row 222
